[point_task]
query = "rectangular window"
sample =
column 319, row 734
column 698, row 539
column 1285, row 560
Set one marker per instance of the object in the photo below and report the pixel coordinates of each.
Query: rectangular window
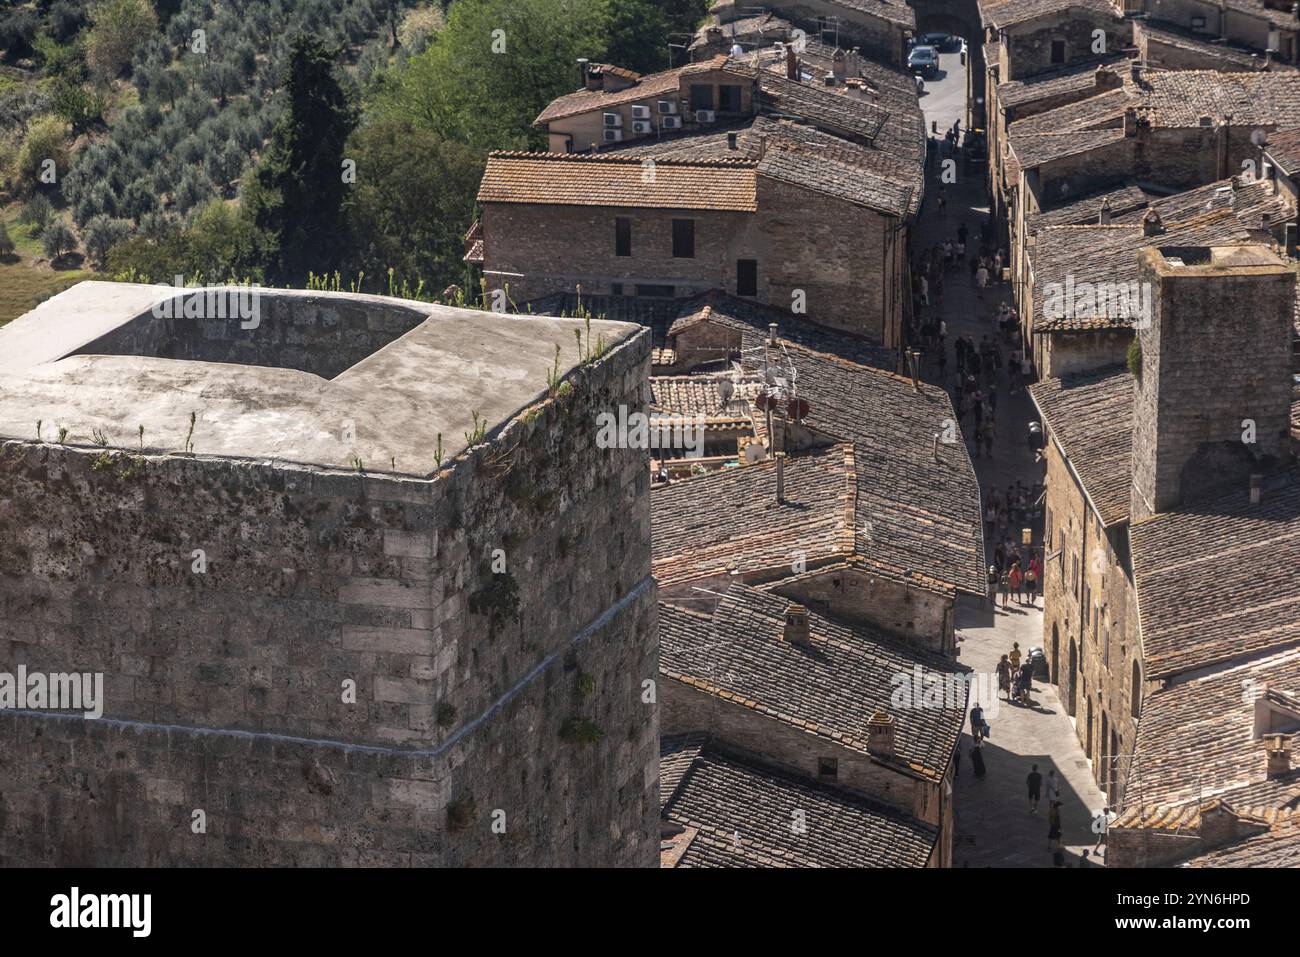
column 683, row 239
column 701, row 96
column 1058, row 51
column 729, row 98
column 746, row 277
column 622, row 236
column 616, row 289
column 828, row 768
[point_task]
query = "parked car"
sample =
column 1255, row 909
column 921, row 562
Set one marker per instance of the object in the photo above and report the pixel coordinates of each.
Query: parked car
column 923, row 60
column 940, row 41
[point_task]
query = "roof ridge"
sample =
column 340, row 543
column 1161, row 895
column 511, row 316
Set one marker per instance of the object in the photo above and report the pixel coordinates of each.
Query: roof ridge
column 618, row 158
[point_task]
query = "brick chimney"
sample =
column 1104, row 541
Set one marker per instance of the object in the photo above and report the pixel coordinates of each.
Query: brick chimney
column 1103, row 218
column 1278, row 748
column 791, row 63
column 880, row 734
column 1214, row 350
column 1130, row 122
column 796, row 624
column 838, row 66
column 1152, row 224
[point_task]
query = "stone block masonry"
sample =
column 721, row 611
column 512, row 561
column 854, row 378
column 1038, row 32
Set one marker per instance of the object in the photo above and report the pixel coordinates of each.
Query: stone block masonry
column 499, row 715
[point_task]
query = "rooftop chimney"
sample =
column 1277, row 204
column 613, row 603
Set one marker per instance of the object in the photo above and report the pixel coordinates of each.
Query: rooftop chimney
column 583, row 65
column 791, row 63
column 1104, row 218
column 1256, row 488
column 1130, row 121
column 913, row 357
column 880, row 734
column 838, row 65
column 780, row 477
column 1152, row 224
column 762, row 146
column 796, row 625
column 771, row 333
column 1278, row 748
column 731, row 140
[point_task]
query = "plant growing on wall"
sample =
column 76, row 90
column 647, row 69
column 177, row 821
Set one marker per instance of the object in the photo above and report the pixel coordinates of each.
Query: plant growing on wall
column 498, row 601
column 579, row 730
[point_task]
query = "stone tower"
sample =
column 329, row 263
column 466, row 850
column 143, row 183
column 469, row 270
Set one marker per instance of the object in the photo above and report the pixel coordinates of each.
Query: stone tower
column 1213, row 391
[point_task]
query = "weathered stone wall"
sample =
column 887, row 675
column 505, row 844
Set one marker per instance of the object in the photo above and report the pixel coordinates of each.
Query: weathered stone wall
column 923, row 618
column 1090, row 606
column 1066, row 353
column 833, row 252
column 323, row 335
column 475, row 692
column 1236, row 24
column 1027, row 49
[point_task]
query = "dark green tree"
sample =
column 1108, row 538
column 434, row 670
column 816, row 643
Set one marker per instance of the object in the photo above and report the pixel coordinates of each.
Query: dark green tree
column 295, row 194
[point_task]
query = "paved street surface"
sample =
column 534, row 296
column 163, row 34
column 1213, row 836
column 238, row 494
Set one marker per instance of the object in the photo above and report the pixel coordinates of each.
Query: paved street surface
column 993, row 823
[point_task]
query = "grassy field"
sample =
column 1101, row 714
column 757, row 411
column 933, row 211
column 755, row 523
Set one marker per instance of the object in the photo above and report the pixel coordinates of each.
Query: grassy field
column 27, row 278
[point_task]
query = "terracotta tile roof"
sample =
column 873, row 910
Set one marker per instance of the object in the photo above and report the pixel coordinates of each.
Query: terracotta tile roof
column 1000, row 14
column 759, row 29
column 835, row 112
column 1077, row 78
column 1218, row 579
column 1032, row 149
column 1258, row 8
column 1086, row 211
column 676, row 755
column 1216, row 213
column 830, row 688
column 803, row 156
column 737, row 812
column 1091, row 417
column 893, row 11
column 646, row 87
column 685, row 395
column 907, row 518
column 567, row 179
column 1196, row 743
column 1284, row 149
column 1279, row 846
column 1180, row 98
column 731, row 521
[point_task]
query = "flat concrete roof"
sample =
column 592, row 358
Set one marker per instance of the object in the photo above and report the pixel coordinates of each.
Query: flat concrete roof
column 395, row 402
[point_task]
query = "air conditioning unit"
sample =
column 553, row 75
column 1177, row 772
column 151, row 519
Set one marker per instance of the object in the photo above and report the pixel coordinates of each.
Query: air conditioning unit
column 667, row 107
column 705, row 116
column 671, row 122
column 642, row 127
column 613, row 120
column 640, row 112
column 613, row 136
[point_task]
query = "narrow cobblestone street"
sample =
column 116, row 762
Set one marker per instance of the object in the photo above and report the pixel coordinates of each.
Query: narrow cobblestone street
column 993, row 824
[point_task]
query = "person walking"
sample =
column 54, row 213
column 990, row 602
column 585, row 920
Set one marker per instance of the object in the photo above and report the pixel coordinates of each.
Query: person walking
column 1053, row 825
column 1026, row 683
column 1035, row 782
column 1032, row 575
column 977, row 722
column 1017, row 580
column 1005, row 583
column 1004, row 677
column 1053, row 786
column 1014, row 656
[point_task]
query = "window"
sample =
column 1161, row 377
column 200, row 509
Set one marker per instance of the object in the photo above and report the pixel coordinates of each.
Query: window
column 728, row 98
column 1135, row 693
column 746, row 277
column 828, row 768
column 1198, row 23
column 622, row 236
column 654, row 292
column 616, row 289
column 701, row 96
column 683, row 239
column 1058, row 51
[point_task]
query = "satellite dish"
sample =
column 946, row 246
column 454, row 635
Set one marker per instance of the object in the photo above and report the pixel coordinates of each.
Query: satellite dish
column 762, row 401
column 1259, row 137
column 754, row 453
column 725, row 390
column 799, row 409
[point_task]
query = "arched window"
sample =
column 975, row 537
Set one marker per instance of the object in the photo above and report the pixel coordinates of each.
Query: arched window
column 1135, row 696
